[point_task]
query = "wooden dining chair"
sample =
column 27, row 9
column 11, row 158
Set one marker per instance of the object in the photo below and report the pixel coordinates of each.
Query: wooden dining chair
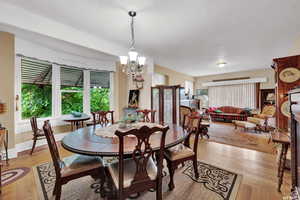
column 72, row 167
column 138, row 173
column 102, row 118
column 146, row 113
column 38, row 134
column 184, row 152
column 183, row 112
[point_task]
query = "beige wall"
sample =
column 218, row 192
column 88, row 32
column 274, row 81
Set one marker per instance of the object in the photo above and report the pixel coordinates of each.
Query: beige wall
column 268, row 73
column 7, row 83
column 173, row 77
column 121, row 91
column 296, row 48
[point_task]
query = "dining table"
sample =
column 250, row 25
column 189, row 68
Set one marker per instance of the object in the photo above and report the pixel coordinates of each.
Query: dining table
column 76, row 122
column 86, row 141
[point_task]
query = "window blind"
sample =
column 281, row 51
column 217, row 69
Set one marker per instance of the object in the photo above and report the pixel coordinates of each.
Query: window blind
column 36, row 72
column 99, row 79
column 71, row 77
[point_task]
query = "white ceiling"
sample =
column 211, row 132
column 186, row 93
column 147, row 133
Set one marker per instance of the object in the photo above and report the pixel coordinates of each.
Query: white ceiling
column 187, row 36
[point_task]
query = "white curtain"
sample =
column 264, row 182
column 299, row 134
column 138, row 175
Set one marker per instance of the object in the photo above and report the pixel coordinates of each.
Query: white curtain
column 240, row 95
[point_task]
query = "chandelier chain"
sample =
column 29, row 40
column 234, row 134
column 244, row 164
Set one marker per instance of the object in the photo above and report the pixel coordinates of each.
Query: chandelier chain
column 132, row 33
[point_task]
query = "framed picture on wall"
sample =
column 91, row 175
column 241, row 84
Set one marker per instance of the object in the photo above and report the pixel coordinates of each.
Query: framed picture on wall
column 133, row 101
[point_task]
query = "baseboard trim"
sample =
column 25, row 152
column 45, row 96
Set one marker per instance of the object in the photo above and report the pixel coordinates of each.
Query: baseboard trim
column 13, row 152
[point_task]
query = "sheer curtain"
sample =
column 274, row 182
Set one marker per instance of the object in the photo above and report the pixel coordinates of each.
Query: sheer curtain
column 240, row 95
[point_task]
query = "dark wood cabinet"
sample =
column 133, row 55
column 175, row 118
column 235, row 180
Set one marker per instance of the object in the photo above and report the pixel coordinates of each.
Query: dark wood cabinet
column 287, row 77
column 166, row 100
column 294, row 99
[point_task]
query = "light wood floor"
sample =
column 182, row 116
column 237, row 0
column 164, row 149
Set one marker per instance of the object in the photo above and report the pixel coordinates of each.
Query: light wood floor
column 258, row 170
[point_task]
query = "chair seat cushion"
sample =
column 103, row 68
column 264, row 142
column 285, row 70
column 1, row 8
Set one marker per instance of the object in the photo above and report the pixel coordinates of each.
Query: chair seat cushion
column 129, row 171
column 244, row 124
column 79, row 163
column 178, row 152
column 257, row 121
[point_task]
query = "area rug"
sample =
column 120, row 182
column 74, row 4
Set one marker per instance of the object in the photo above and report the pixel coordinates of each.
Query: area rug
column 226, row 133
column 12, row 175
column 214, row 183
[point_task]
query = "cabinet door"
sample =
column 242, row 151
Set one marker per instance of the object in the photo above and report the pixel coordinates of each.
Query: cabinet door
column 156, row 103
column 168, row 105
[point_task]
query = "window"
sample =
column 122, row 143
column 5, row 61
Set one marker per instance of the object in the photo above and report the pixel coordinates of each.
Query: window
column 51, row 90
column 238, row 95
column 99, row 91
column 189, row 87
column 71, row 90
column 36, row 88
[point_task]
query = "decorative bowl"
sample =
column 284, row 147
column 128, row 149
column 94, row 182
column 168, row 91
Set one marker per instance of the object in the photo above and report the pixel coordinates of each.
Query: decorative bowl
column 76, row 114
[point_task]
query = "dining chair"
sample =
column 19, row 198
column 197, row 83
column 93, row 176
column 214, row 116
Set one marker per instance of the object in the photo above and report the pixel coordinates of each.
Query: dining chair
column 146, row 113
column 72, row 167
column 139, row 173
column 102, row 118
column 184, row 152
column 38, row 134
column 184, row 110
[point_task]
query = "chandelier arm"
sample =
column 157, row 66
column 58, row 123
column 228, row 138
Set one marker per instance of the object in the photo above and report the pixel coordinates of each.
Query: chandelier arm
column 132, row 33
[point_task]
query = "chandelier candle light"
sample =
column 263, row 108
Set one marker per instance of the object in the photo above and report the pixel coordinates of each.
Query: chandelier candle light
column 133, row 64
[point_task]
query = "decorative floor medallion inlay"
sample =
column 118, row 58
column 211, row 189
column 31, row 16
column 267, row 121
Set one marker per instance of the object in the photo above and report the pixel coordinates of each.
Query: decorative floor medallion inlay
column 12, row 175
column 215, row 179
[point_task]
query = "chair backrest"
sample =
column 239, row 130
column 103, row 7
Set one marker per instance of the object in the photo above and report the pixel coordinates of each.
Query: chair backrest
column 146, row 113
column 269, row 110
column 101, row 117
column 193, row 122
column 184, row 110
column 33, row 123
column 53, row 148
column 141, row 154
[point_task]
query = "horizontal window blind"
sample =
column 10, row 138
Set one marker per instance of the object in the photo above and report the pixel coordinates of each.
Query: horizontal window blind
column 36, row 72
column 99, row 79
column 71, row 77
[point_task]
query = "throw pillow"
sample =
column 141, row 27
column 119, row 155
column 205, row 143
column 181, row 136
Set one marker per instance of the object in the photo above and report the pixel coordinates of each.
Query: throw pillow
column 218, row 111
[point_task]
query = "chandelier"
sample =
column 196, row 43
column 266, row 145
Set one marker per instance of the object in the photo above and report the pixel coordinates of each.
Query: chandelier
column 133, row 64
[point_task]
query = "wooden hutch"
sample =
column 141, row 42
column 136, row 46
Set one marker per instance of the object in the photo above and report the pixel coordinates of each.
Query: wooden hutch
column 287, row 77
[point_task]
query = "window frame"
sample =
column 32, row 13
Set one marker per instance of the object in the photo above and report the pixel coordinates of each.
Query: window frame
column 23, row 125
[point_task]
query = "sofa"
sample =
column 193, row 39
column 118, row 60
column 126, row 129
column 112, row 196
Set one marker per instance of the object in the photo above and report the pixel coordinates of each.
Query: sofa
column 228, row 113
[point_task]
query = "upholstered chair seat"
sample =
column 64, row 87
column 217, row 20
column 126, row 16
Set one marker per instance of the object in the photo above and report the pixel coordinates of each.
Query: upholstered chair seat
column 178, row 152
column 130, row 170
column 79, row 163
column 257, row 121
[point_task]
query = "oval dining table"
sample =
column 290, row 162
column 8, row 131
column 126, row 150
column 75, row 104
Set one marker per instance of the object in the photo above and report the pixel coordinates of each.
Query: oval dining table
column 84, row 141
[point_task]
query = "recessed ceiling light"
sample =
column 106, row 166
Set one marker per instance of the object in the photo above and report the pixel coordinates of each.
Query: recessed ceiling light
column 221, row 64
